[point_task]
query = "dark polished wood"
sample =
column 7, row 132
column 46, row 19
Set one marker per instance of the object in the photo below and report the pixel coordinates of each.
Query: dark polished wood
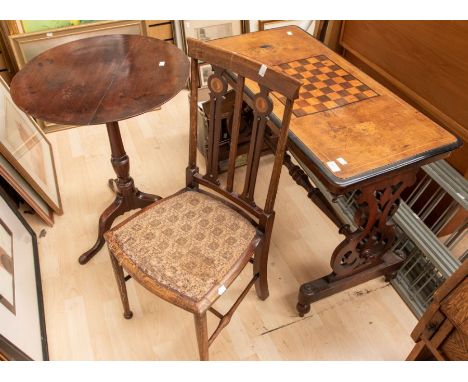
column 375, row 141
column 362, row 255
column 127, row 196
column 98, row 80
column 245, row 132
column 313, row 193
column 229, row 70
column 233, row 69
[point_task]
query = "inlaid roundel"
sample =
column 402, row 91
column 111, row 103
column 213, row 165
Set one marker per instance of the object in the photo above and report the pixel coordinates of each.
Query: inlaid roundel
column 262, row 104
column 216, row 84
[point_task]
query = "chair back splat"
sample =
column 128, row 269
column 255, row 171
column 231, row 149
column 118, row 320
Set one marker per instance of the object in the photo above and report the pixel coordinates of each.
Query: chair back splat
column 232, row 69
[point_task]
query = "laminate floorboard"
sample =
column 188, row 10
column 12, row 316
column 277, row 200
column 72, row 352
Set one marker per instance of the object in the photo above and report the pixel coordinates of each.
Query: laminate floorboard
column 82, row 306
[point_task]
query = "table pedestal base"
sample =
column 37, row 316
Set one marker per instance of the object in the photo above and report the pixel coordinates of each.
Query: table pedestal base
column 127, row 195
column 362, row 255
column 329, row 285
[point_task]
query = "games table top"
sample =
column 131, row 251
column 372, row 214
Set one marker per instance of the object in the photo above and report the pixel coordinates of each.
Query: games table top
column 344, row 122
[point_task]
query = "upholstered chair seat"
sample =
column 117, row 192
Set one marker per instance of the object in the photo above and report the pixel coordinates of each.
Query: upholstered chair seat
column 185, row 246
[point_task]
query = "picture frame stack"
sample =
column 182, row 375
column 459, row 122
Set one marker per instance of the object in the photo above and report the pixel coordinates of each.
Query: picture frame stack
column 26, row 159
column 22, row 322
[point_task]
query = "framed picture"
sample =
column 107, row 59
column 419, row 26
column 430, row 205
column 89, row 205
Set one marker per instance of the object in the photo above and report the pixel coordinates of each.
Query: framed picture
column 268, row 24
column 22, row 324
column 25, row 146
column 307, row 25
column 205, row 71
column 206, row 30
column 26, row 46
column 14, row 179
column 7, row 281
column 40, row 25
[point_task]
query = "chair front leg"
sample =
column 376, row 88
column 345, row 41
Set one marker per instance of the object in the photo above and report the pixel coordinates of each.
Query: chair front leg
column 260, row 265
column 119, row 276
column 201, row 327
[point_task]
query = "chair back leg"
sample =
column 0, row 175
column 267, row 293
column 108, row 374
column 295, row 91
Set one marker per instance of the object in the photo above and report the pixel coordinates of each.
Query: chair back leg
column 119, row 276
column 201, row 327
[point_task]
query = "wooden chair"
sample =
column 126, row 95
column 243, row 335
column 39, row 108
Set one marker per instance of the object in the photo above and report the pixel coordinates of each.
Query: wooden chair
column 442, row 332
column 189, row 247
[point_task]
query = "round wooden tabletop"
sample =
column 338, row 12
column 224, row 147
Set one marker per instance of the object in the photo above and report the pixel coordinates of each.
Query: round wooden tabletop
column 100, row 79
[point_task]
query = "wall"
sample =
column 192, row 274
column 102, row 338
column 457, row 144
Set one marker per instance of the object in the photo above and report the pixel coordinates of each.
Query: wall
column 424, row 62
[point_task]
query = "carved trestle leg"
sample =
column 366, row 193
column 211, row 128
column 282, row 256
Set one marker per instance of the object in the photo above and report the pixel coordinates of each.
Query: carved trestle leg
column 363, row 255
column 127, row 197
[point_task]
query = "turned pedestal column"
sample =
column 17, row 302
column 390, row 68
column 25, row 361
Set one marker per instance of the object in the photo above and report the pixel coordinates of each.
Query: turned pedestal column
column 127, row 196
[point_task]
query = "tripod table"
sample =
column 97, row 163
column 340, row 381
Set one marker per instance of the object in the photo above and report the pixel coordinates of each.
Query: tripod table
column 103, row 79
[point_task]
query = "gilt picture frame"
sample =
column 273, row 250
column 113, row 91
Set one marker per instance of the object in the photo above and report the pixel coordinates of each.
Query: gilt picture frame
column 26, row 148
column 22, row 323
column 26, row 46
column 30, row 26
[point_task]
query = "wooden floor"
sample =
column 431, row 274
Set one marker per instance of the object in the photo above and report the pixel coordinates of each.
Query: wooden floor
column 82, row 306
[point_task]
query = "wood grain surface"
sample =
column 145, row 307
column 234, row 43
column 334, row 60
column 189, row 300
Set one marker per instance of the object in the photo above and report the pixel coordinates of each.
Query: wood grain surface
column 377, row 132
column 100, row 79
column 82, row 306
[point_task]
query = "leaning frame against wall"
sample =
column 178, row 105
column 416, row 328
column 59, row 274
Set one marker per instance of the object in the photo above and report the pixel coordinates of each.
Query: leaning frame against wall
column 26, row 148
column 22, row 324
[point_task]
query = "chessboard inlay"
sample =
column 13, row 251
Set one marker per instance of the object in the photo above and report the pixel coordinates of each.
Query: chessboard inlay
column 325, row 85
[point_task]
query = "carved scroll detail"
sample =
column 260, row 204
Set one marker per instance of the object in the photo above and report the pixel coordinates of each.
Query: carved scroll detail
column 375, row 234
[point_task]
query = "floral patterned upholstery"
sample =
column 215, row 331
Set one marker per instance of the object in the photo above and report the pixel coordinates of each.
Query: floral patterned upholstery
column 185, row 243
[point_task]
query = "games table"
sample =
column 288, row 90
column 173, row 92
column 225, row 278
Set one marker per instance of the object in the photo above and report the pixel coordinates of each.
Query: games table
column 352, row 134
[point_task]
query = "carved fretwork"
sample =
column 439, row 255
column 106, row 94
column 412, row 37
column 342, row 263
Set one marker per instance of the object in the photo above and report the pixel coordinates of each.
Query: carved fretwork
column 375, row 234
column 363, row 254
